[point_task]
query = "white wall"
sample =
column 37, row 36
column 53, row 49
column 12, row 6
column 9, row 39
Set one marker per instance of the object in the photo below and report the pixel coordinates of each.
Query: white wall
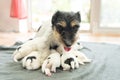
column 7, row 24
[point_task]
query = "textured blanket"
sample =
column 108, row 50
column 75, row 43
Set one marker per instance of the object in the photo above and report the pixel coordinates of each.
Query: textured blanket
column 105, row 65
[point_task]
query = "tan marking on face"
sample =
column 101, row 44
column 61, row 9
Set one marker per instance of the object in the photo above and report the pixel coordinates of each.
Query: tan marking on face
column 62, row 23
column 56, row 34
column 74, row 22
column 76, row 37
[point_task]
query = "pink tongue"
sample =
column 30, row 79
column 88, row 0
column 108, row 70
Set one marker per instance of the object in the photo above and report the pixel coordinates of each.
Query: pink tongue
column 67, row 48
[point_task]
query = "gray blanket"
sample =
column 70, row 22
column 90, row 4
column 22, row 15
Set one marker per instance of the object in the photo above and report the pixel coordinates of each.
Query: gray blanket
column 105, row 65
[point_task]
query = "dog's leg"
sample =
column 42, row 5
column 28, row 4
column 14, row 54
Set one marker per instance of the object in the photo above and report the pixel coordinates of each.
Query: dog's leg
column 37, row 44
column 53, row 69
column 32, row 61
column 76, row 63
column 47, row 72
column 46, row 67
column 81, row 62
column 84, row 57
column 66, row 67
column 19, row 54
column 73, row 65
column 35, row 59
column 25, row 49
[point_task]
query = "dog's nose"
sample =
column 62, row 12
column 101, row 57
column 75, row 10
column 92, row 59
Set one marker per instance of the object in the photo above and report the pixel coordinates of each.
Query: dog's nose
column 68, row 44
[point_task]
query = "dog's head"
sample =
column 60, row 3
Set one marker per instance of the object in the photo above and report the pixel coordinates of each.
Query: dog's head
column 65, row 26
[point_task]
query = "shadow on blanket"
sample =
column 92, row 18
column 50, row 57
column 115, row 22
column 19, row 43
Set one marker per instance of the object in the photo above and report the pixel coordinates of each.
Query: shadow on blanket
column 105, row 65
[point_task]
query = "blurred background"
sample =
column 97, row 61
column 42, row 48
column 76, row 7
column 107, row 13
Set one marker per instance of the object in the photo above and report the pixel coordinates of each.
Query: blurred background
column 20, row 19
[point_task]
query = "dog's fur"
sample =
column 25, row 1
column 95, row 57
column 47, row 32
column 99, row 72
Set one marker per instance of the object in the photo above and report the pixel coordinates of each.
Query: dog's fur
column 69, row 61
column 61, row 37
column 51, row 63
column 81, row 58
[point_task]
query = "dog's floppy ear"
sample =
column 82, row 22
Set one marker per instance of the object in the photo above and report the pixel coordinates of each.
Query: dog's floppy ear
column 78, row 16
column 54, row 18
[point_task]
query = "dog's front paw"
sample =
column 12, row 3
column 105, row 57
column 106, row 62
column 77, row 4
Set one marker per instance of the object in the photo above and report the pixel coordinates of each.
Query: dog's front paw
column 21, row 52
column 17, row 55
column 32, row 61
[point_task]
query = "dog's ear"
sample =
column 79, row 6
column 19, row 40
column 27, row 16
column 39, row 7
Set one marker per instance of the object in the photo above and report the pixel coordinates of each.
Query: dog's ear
column 54, row 18
column 78, row 16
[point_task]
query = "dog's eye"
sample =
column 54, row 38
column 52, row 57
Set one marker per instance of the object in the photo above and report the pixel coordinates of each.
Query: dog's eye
column 59, row 28
column 75, row 28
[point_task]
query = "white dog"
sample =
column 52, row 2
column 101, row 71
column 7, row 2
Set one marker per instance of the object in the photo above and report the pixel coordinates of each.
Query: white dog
column 69, row 61
column 27, row 60
column 51, row 63
column 81, row 58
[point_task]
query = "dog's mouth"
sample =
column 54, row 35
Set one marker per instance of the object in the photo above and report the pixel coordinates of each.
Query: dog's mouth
column 67, row 48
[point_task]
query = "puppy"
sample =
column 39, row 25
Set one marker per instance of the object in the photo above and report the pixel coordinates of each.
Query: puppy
column 69, row 61
column 51, row 63
column 81, row 57
column 32, row 57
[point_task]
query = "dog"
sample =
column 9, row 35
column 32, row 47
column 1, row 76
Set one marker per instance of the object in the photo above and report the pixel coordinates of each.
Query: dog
column 61, row 36
column 69, row 61
column 81, row 57
column 51, row 63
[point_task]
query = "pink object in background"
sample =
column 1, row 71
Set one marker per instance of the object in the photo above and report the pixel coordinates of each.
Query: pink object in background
column 18, row 9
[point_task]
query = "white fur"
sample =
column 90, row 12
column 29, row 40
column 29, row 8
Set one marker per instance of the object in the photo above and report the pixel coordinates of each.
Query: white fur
column 81, row 58
column 32, row 45
column 51, row 63
column 39, row 44
column 34, row 64
column 74, row 64
column 39, row 47
column 76, row 47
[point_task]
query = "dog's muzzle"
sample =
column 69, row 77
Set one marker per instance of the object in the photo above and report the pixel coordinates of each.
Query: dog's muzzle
column 68, row 45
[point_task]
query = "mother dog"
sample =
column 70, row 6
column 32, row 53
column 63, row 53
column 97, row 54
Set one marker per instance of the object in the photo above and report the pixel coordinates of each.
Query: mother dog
column 61, row 37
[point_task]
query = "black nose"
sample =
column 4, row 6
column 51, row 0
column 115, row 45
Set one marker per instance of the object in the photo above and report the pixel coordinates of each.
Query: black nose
column 68, row 44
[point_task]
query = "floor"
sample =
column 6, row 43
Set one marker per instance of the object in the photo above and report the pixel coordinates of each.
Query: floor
column 9, row 39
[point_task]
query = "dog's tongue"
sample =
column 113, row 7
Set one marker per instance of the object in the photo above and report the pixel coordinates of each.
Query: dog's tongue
column 67, row 48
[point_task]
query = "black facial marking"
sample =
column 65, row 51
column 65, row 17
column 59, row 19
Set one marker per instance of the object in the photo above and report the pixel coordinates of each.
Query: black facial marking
column 68, row 61
column 53, row 47
column 31, row 58
column 65, row 16
column 18, row 48
column 67, row 32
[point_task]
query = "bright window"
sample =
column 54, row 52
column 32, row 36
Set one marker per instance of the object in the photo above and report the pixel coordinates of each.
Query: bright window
column 110, row 13
column 42, row 10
